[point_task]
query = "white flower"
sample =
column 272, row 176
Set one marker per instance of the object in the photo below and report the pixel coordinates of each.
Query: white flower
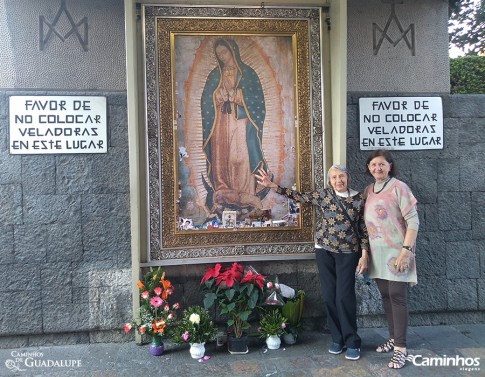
column 194, row 318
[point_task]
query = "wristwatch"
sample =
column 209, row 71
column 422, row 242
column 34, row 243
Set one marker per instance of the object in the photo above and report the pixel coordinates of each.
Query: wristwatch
column 410, row 248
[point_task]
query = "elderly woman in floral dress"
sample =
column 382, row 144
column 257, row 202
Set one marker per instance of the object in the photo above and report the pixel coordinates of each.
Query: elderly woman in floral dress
column 340, row 249
column 392, row 221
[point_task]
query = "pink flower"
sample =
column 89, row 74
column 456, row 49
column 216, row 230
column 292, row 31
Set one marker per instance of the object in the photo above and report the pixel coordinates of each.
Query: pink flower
column 170, row 316
column 158, row 291
column 176, row 306
column 269, row 285
column 156, row 302
column 283, row 325
column 186, row 336
column 166, row 307
column 145, row 294
column 127, row 327
column 169, row 291
column 142, row 329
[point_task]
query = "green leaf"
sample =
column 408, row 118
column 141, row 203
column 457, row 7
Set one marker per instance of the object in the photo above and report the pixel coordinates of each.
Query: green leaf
column 209, row 300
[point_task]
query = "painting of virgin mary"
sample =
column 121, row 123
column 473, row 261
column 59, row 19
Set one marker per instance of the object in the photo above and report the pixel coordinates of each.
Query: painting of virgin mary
column 235, row 97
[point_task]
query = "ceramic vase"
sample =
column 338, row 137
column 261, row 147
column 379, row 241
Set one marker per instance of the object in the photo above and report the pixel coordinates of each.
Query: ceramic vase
column 273, row 342
column 197, row 350
column 156, row 346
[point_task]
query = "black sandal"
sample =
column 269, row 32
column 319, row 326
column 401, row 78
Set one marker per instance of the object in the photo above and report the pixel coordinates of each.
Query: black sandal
column 398, row 359
column 386, row 347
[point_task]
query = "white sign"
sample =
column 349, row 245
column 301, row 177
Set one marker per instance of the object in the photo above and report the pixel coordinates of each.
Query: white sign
column 401, row 123
column 57, row 124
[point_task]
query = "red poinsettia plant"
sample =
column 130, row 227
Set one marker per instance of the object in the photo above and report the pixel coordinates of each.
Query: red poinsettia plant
column 157, row 314
column 236, row 291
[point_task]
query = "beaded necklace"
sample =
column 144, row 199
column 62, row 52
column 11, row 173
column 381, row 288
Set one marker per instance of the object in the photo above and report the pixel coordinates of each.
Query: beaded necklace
column 382, row 188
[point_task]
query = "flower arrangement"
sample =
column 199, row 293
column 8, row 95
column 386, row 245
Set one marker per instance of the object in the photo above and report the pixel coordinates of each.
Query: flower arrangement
column 157, row 315
column 290, row 302
column 195, row 326
column 237, row 293
column 272, row 322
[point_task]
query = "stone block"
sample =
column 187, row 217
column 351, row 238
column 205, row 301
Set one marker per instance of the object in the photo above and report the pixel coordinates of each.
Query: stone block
column 59, row 295
column 465, row 106
column 428, row 217
column 451, row 137
column 118, row 126
column 481, row 294
column 109, row 307
column 424, row 182
column 462, row 294
column 454, row 210
column 110, row 278
column 113, row 336
column 82, row 271
column 449, row 174
column 458, row 235
column 430, row 294
column 54, row 275
column 472, row 130
column 39, row 175
column 64, row 242
column 48, row 340
column 68, row 317
column 30, row 243
column 430, row 254
column 110, row 172
column 472, row 174
column 21, row 312
column 462, row 260
column 19, row 276
column 6, row 245
column 15, row 341
column 481, row 248
column 10, row 165
column 478, row 215
column 100, row 239
column 80, row 295
column 11, row 204
column 47, row 209
column 73, row 174
column 105, row 205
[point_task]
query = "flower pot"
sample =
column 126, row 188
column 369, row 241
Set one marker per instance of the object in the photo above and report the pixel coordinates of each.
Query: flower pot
column 273, row 342
column 289, row 338
column 156, row 346
column 237, row 346
column 197, row 350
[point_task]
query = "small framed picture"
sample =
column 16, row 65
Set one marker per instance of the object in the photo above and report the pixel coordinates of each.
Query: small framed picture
column 229, row 219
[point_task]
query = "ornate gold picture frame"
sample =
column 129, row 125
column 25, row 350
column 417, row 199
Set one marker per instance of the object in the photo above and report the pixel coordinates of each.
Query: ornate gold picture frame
column 220, row 120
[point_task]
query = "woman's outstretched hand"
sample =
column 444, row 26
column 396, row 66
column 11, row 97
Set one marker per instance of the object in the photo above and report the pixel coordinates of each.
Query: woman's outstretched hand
column 264, row 179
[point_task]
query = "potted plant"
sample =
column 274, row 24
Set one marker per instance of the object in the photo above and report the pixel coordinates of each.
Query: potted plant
column 195, row 327
column 237, row 294
column 291, row 305
column 157, row 315
column 271, row 326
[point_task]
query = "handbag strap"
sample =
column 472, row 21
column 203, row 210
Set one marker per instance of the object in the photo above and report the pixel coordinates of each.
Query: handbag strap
column 346, row 214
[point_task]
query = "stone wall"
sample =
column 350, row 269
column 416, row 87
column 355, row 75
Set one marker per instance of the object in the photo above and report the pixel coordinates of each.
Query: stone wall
column 65, row 255
column 65, row 273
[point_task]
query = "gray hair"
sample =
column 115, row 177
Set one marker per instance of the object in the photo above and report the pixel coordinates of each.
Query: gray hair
column 341, row 168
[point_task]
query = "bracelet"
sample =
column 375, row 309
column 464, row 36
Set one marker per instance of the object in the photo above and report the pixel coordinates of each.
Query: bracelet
column 410, row 248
